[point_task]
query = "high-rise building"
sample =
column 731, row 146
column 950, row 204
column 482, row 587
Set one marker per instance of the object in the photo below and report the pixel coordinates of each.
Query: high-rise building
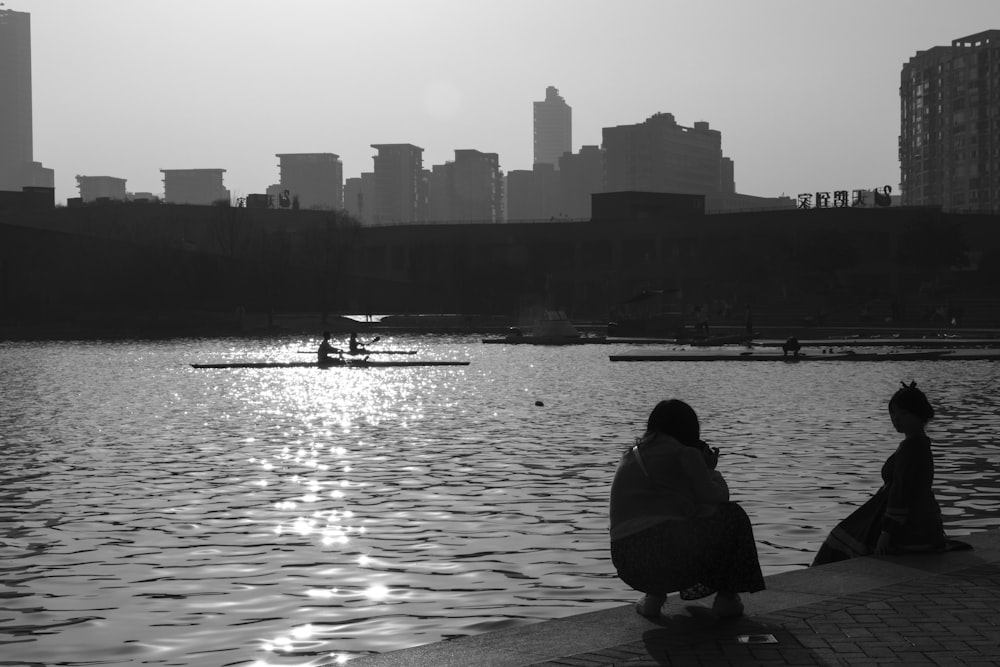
column 400, row 192
column 93, row 188
column 659, row 155
column 194, row 186
column 359, row 197
column 553, row 128
column 470, row 188
column 581, row 174
column 315, row 180
column 949, row 140
column 533, row 194
column 17, row 166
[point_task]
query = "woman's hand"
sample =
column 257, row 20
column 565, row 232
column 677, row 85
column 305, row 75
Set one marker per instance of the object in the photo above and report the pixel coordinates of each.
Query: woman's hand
column 883, row 545
column 711, row 454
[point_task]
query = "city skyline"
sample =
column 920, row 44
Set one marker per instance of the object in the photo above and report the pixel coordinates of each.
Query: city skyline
column 805, row 99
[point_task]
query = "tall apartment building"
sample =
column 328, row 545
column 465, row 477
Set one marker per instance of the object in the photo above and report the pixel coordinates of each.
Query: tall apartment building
column 194, row 186
column 553, row 128
column 659, row 155
column 17, row 166
column 359, row 197
column 581, row 174
column 93, row 188
column 949, row 141
column 316, row 179
column 533, row 194
column 470, row 188
column 400, row 193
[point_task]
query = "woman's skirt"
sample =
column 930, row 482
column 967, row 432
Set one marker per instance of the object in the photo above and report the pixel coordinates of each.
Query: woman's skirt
column 696, row 557
column 858, row 534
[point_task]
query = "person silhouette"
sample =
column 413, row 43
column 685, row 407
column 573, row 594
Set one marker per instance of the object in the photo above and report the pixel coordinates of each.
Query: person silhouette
column 325, row 350
column 672, row 525
column 903, row 516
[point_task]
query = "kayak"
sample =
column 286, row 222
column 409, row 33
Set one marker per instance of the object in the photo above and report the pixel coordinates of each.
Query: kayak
column 333, row 363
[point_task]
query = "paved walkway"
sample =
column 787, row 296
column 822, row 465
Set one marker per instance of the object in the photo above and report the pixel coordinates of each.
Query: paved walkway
column 910, row 610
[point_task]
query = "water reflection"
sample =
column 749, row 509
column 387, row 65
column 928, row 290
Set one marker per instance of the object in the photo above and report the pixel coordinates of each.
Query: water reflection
column 151, row 512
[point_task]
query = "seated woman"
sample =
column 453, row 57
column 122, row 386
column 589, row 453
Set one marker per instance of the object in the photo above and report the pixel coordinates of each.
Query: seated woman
column 903, row 516
column 672, row 525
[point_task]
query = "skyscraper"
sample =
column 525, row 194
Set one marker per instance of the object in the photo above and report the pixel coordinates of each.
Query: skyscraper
column 949, row 140
column 17, row 166
column 553, row 128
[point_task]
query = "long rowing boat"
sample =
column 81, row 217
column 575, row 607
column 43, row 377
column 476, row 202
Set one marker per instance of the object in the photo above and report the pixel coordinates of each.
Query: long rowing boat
column 360, row 352
column 335, row 363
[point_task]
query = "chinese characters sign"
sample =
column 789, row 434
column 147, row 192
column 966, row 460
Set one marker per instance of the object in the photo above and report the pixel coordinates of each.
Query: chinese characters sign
column 846, row 198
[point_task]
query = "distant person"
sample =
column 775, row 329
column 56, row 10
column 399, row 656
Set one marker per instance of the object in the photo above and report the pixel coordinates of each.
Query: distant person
column 326, row 350
column 791, row 345
column 353, row 346
column 673, row 527
column 749, row 322
column 903, row 516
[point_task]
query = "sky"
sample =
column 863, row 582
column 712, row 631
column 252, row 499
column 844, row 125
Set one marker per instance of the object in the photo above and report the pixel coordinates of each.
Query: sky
column 804, row 92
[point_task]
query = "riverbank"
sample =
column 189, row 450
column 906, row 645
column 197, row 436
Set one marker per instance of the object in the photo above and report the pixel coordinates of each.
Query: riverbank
column 910, row 610
column 156, row 325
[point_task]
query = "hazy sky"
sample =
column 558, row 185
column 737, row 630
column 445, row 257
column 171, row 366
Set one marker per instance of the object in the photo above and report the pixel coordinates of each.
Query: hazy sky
column 804, row 92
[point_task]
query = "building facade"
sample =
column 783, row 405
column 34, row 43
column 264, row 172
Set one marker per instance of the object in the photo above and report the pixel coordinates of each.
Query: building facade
column 659, row 155
column 581, row 175
column 194, row 186
column 17, row 166
column 949, row 140
column 315, row 180
column 400, row 190
column 359, row 197
column 470, row 188
column 93, row 188
column 553, row 128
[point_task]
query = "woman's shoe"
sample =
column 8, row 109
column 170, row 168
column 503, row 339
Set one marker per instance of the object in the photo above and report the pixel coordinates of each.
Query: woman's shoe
column 727, row 606
column 649, row 605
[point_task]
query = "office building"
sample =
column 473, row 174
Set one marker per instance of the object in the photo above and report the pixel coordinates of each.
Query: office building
column 314, row 180
column 553, row 128
column 194, row 186
column 93, row 188
column 470, row 188
column 949, row 140
column 400, row 190
column 659, row 155
column 18, row 168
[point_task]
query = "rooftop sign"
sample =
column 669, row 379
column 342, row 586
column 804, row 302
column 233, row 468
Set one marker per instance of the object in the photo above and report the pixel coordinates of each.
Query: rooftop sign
column 846, row 198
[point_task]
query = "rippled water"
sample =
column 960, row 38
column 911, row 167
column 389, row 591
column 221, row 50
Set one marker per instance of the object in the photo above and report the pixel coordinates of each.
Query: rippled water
column 151, row 513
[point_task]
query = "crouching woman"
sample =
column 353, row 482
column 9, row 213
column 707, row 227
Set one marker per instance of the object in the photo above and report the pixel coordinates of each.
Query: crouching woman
column 673, row 527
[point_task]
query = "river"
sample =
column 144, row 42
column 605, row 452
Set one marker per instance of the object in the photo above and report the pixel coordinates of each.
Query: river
column 153, row 513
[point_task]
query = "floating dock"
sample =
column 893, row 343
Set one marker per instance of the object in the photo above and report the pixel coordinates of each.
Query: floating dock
column 811, row 356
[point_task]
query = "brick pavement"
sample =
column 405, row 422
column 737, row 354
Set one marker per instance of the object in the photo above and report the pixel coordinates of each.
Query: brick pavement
column 915, row 610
